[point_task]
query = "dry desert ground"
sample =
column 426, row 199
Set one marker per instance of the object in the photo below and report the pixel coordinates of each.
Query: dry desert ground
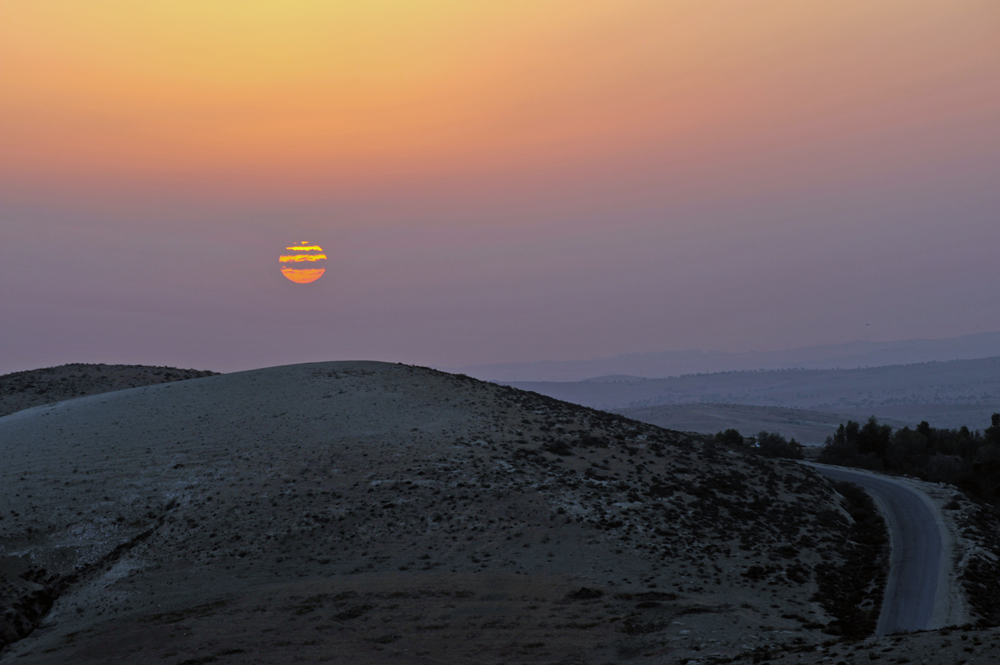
column 360, row 512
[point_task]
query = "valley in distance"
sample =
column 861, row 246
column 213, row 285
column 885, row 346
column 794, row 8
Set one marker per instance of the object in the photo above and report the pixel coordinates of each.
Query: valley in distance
column 807, row 404
column 363, row 512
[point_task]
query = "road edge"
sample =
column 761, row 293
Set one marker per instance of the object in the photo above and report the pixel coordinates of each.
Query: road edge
column 950, row 606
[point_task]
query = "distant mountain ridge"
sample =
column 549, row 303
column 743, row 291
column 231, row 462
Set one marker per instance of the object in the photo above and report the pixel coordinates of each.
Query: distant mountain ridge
column 809, row 427
column 850, row 355
column 947, row 394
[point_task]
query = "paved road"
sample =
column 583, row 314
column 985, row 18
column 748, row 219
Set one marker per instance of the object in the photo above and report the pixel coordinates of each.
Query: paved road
column 912, row 592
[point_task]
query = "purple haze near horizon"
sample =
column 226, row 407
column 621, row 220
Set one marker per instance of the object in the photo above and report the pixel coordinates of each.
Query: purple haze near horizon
column 854, row 204
column 202, row 289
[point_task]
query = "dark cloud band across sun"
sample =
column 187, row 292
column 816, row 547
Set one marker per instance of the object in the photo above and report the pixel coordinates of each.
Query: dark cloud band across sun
column 308, row 253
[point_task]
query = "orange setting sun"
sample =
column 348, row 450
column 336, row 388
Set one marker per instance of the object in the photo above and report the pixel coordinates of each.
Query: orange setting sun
column 305, row 254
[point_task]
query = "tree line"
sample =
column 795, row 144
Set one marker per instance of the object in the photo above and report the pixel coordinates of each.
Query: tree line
column 970, row 460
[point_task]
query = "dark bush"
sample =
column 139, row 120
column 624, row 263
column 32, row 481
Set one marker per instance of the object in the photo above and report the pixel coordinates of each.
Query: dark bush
column 772, row 444
column 730, row 437
column 558, row 447
column 852, row 592
column 585, row 593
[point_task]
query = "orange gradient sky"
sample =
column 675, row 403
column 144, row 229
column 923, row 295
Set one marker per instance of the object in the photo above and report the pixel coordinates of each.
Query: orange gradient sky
column 314, row 92
column 491, row 149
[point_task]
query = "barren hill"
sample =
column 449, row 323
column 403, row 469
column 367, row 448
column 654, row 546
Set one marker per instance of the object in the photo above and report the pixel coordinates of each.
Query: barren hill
column 692, row 361
column 371, row 513
column 23, row 390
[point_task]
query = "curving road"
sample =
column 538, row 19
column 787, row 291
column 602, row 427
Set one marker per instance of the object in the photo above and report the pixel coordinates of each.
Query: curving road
column 916, row 594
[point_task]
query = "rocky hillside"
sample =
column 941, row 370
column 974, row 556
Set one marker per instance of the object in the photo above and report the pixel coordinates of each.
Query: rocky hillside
column 23, row 390
column 371, row 513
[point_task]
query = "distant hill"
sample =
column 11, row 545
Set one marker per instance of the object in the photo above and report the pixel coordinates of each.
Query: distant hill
column 677, row 363
column 809, row 427
column 23, row 390
column 948, row 394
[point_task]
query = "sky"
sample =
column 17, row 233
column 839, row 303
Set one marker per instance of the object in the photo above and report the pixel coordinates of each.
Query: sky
column 493, row 181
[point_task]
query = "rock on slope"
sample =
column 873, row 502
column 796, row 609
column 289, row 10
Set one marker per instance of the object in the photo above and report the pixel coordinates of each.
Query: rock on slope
column 23, row 390
column 366, row 512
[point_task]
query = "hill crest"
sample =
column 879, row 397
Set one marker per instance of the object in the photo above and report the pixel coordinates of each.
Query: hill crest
column 343, row 500
column 24, row 390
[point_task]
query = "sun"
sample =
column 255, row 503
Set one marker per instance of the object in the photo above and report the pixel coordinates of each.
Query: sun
column 293, row 266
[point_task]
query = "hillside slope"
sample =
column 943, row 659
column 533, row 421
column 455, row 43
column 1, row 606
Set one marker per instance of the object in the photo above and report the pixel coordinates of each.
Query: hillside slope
column 365, row 512
column 23, row 390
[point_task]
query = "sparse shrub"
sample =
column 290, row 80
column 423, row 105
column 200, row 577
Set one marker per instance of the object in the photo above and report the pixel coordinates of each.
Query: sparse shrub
column 593, row 442
column 585, row 593
column 757, row 572
column 558, row 448
column 352, row 612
